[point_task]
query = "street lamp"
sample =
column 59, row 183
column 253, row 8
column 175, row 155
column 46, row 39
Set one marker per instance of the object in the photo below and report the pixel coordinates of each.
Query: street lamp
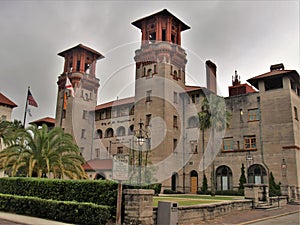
column 141, row 136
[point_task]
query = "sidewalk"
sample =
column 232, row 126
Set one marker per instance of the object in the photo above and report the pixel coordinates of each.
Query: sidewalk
column 249, row 216
column 240, row 217
column 14, row 219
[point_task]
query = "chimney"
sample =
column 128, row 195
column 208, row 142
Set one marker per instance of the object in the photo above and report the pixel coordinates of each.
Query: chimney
column 279, row 66
column 211, row 76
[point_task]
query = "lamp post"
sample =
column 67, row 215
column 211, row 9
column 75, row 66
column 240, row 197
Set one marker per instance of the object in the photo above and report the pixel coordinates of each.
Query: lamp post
column 141, row 136
column 284, row 185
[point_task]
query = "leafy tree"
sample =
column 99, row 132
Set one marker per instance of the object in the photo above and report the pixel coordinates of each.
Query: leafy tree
column 204, row 184
column 274, row 189
column 242, row 179
column 40, row 152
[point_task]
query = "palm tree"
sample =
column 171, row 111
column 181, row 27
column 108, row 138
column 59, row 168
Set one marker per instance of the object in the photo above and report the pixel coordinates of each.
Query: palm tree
column 215, row 116
column 41, row 152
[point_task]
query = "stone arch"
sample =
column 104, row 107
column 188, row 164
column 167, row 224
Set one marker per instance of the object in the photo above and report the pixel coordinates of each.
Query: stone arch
column 100, row 176
column 194, row 181
column 257, row 174
column 120, row 131
column 224, row 178
column 109, row 133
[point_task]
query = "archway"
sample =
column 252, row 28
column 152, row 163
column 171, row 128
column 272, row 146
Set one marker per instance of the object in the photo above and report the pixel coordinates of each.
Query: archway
column 99, row 176
column 224, row 178
column 194, row 181
column 257, row 174
column 174, row 181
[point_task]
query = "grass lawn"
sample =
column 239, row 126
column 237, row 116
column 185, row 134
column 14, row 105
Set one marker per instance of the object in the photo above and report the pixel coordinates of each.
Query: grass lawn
column 185, row 200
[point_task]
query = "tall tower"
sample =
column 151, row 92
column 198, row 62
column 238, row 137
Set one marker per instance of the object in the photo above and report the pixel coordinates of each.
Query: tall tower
column 76, row 114
column 160, row 78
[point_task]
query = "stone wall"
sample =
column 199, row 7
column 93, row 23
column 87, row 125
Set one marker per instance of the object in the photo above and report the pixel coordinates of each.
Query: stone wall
column 195, row 214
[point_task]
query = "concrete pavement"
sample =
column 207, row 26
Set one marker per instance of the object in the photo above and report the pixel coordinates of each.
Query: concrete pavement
column 15, row 219
column 245, row 217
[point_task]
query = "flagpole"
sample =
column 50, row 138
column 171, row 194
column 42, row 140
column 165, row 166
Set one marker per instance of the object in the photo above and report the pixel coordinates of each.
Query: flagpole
column 26, row 105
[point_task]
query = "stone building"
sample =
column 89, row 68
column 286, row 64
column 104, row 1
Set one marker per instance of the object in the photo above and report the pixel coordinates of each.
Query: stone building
column 263, row 133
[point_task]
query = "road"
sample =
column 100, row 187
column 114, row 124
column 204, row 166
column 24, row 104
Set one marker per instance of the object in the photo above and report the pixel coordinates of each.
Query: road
column 290, row 219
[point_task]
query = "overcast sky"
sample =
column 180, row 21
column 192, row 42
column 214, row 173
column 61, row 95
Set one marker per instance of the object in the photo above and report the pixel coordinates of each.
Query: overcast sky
column 247, row 36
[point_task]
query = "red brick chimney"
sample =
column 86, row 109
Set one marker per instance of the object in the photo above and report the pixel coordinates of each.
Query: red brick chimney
column 211, row 76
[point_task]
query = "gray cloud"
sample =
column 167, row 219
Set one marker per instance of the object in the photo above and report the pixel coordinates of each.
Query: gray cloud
column 245, row 35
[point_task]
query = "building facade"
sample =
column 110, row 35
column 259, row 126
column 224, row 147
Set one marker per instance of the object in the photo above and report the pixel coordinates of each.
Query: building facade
column 263, row 132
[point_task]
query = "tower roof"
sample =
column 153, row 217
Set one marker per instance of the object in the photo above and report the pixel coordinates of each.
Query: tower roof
column 164, row 12
column 81, row 46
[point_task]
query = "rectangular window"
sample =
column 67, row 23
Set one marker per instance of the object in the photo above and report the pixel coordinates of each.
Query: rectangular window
column 228, row 144
column 148, row 96
column 84, row 114
column 131, row 112
column 194, row 147
column 296, row 113
column 175, row 124
column 163, row 35
column 250, row 142
column 148, row 120
column 174, row 144
column 97, row 151
column 253, row 115
column 83, row 133
column 102, row 115
column 273, row 83
column 152, row 37
column 64, row 114
column 78, row 66
column 175, row 97
column 193, row 99
column 120, row 150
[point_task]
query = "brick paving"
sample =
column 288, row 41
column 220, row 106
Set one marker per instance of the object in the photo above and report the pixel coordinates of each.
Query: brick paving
column 244, row 216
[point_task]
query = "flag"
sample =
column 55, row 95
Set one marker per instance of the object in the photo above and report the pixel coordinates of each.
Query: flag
column 31, row 100
column 69, row 87
column 29, row 112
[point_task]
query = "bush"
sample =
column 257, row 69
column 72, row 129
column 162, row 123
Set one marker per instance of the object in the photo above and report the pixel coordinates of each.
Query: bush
column 230, row 192
column 100, row 192
column 65, row 211
column 168, row 191
column 201, row 192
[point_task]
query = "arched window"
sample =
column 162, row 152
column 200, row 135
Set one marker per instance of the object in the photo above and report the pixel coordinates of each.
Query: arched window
column 194, row 181
column 99, row 176
column 121, row 131
column 131, row 130
column 224, row 178
column 99, row 133
column 109, row 132
column 174, row 181
column 149, row 73
column 257, row 174
column 193, row 122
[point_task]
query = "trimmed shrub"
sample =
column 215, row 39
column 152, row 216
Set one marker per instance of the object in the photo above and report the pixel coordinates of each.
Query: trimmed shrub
column 230, row 192
column 100, row 192
column 65, row 211
column 168, row 191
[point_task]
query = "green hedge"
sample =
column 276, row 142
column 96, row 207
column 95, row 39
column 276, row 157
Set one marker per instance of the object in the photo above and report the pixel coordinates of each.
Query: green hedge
column 65, row 211
column 100, row 192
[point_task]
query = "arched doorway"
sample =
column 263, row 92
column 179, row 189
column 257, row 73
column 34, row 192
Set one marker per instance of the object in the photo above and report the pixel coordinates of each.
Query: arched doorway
column 194, row 181
column 224, row 178
column 174, row 181
column 257, row 174
column 99, row 176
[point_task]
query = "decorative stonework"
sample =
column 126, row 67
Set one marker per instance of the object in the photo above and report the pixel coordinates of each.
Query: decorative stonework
column 138, row 207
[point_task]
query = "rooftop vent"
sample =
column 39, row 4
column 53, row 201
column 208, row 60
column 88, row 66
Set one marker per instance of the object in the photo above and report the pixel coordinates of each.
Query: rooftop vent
column 279, row 66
